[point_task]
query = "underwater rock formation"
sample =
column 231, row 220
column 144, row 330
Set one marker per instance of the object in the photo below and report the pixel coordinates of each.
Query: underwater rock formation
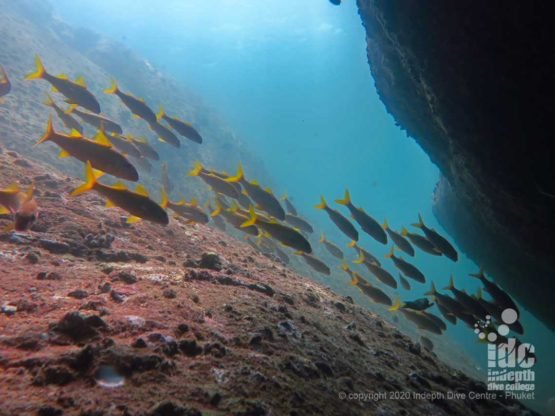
column 468, row 83
column 99, row 317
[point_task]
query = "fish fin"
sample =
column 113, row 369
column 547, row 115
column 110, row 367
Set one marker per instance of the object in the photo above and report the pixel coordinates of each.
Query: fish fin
column 346, row 200
column 251, row 220
column 135, row 116
column 49, row 132
column 322, row 204
column 420, row 223
column 451, row 284
column 90, row 181
column 284, row 197
column 164, row 202
column 81, row 81
column 63, row 154
column 75, row 134
column 133, row 219
column 396, row 305
column 141, row 190
column 322, row 238
column 385, row 225
column 354, row 279
column 101, row 138
column 160, row 115
column 12, row 189
column 360, row 259
column 197, row 169
column 218, row 209
column 352, row 244
column 344, row 266
column 234, row 207
column 119, row 185
column 49, row 101
column 194, row 203
column 298, row 252
column 479, row 293
column 432, row 291
column 71, row 109
column 113, row 89
column 404, row 232
column 109, row 204
column 4, row 210
column 237, row 178
column 480, row 274
column 63, row 76
column 391, row 253
column 40, row 71
column 182, row 202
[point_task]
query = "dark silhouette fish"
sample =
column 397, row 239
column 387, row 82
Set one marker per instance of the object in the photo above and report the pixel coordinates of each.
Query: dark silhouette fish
column 145, row 148
column 189, row 211
column 438, row 240
column 299, row 223
column 381, row 274
column 421, row 242
column 315, row 263
column 137, row 203
column 368, row 224
column 289, row 205
column 473, row 306
column 216, row 182
column 68, row 120
column 332, row 248
column 404, row 282
column 499, row 296
column 416, row 305
column 398, row 239
column 405, row 267
column 450, row 304
column 374, row 293
column 136, row 105
column 427, row 343
column 96, row 120
column 99, row 152
column 263, row 197
column 75, row 91
column 182, row 127
column 164, row 134
column 5, row 84
column 125, row 145
column 339, row 220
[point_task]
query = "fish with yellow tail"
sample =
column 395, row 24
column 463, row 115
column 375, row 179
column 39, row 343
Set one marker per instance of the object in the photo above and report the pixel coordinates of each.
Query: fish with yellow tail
column 405, row 267
column 422, row 319
column 125, row 145
column 286, row 235
column 315, row 263
column 332, row 248
column 75, row 91
column 216, row 182
column 136, row 105
column 399, row 240
column 144, row 147
column 5, row 85
column 289, row 205
column 164, row 134
column 448, row 306
column 190, row 211
column 339, row 220
column 98, row 151
column 234, row 217
column 421, row 242
column 472, row 305
column 437, row 240
column 299, row 223
column 368, row 257
column 22, row 206
column 137, row 203
column 218, row 221
column 368, row 224
column 97, row 121
column 416, row 305
column 374, row 293
column 381, row 274
column 263, row 197
column 499, row 296
column 182, row 127
column 67, row 119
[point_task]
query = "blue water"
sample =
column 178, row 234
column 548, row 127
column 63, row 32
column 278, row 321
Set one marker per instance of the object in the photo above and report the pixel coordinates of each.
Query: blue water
column 292, row 80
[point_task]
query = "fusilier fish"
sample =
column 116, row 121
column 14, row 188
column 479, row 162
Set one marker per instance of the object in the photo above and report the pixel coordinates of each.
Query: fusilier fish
column 98, row 121
column 338, row 219
column 368, row 224
column 332, row 248
column 136, row 105
column 182, row 127
column 68, row 120
column 381, row 274
column 421, row 242
column 438, row 240
column 405, row 267
column 398, row 239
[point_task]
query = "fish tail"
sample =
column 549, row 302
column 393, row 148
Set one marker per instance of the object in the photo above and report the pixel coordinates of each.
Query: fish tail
column 404, row 231
column 432, row 291
column 218, row 209
column 360, row 259
column 49, row 132
column 322, row 238
column 197, row 169
column 481, row 274
column 284, row 197
column 478, row 293
column 71, row 108
column 113, row 89
column 346, row 200
column 385, row 224
column 451, row 284
column 354, row 280
column 49, row 101
column 164, row 202
column 90, row 181
column 352, row 244
column 251, row 220
column 160, row 115
column 237, row 178
column 344, row 266
column 391, row 253
column 40, row 71
column 396, row 305
column 322, row 204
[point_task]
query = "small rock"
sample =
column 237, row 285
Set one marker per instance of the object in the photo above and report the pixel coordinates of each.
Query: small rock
column 340, row 307
column 49, row 276
column 49, row 411
column 415, row 348
column 139, row 343
column 211, row 261
column 79, row 327
column 169, row 408
column 126, row 277
column 8, row 309
column 189, row 347
column 105, row 287
column 169, row 293
column 117, row 297
column 181, row 329
column 53, row 246
column 32, row 257
column 78, row 294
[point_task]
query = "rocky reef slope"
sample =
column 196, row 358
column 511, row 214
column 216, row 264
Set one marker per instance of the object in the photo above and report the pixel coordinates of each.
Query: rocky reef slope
column 468, row 82
column 102, row 318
